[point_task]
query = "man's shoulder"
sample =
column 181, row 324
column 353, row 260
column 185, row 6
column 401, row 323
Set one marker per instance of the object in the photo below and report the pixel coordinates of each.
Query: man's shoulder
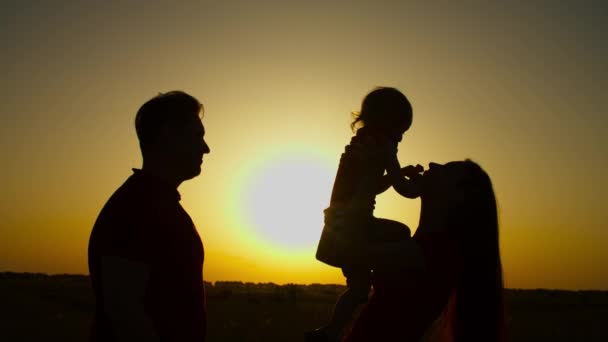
column 127, row 198
column 130, row 213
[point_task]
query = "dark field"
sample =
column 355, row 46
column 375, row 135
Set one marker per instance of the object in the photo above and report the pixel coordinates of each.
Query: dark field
column 36, row 307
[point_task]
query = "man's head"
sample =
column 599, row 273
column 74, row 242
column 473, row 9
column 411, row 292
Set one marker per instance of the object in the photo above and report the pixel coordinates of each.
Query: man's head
column 171, row 133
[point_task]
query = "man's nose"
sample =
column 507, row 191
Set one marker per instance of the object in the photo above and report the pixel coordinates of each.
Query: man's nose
column 206, row 148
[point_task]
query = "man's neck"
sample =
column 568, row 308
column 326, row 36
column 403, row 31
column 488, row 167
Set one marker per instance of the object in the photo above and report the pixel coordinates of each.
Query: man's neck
column 163, row 173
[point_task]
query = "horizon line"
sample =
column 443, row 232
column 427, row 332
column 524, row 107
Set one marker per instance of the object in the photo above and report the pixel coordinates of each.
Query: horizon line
column 42, row 274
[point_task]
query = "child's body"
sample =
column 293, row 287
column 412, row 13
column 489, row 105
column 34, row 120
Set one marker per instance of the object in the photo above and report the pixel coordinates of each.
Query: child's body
column 350, row 227
column 349, row 220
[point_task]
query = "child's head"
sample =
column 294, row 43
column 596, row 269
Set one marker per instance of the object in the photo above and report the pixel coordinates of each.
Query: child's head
column 385, row 112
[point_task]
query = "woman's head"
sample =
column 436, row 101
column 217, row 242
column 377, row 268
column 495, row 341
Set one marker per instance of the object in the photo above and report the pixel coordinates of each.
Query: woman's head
column 461, row 192
column 385, row 111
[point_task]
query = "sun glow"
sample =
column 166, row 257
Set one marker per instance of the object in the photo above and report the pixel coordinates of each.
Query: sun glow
column 284, row 201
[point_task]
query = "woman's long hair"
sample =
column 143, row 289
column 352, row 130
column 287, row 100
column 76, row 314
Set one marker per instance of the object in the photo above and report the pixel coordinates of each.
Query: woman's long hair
column 475, row 311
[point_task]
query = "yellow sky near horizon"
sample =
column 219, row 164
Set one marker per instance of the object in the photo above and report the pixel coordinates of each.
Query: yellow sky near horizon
column 515, row 87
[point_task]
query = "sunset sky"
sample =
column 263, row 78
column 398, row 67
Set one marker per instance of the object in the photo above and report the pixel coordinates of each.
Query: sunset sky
column 519, row 87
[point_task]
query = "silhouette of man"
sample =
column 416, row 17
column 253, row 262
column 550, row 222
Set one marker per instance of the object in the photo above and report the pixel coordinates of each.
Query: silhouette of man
column 145, row 255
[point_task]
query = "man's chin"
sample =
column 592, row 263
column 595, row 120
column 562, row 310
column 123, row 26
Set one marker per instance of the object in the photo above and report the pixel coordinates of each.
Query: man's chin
column 192, row 173
column 196, row 171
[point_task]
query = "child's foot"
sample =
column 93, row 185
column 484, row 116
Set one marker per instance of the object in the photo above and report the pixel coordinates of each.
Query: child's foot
column 318, row 335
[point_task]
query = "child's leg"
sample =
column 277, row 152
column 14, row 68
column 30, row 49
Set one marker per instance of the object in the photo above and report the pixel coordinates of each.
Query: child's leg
column 391, row 247
column 385, row 230
column 359, row 285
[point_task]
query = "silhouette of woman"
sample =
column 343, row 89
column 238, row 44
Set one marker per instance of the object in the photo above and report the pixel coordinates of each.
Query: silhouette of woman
column 460, row 289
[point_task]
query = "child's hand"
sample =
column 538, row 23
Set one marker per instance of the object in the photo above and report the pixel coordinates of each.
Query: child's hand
column 412, row 172
column 412, row 188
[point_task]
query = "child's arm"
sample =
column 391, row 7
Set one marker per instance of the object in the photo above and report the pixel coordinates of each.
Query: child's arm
column 394, row 173
column 386, row 181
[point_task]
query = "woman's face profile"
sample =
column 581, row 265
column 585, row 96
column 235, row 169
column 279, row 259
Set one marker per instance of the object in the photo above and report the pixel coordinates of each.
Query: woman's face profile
column 443, row 183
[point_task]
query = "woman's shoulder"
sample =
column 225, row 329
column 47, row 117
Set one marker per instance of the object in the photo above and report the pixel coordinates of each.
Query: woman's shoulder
column 438, row 247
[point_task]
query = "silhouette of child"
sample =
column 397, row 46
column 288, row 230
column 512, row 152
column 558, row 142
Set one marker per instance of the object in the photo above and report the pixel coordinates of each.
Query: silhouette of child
column 350, row 226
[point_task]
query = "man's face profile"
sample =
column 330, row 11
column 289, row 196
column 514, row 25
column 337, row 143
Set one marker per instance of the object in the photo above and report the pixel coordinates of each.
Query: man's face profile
column 185, row 146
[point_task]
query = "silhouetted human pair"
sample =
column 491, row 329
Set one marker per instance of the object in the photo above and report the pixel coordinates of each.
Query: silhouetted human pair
column 450, row 267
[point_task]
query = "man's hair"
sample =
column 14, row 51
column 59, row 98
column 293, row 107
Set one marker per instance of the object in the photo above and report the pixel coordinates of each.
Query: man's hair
column 173, row 108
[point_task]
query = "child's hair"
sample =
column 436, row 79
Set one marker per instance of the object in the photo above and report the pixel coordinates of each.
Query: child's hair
column 384, row 107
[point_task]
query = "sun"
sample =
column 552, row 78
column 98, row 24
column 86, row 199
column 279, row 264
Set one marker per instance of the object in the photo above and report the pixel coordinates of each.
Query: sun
column 285, row 199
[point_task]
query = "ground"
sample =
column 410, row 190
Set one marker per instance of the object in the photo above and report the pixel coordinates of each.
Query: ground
column 38, row 307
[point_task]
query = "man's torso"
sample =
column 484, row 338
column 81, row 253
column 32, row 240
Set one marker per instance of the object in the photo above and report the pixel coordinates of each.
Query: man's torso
column 144, row 222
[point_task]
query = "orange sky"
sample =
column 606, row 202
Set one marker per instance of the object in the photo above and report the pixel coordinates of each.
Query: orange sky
column 517, row 88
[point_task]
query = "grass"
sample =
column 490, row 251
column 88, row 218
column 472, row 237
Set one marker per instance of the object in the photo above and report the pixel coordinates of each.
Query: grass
column 36, row 307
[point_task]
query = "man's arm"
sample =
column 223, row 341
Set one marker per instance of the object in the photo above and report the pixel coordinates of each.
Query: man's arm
column 124, row 284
